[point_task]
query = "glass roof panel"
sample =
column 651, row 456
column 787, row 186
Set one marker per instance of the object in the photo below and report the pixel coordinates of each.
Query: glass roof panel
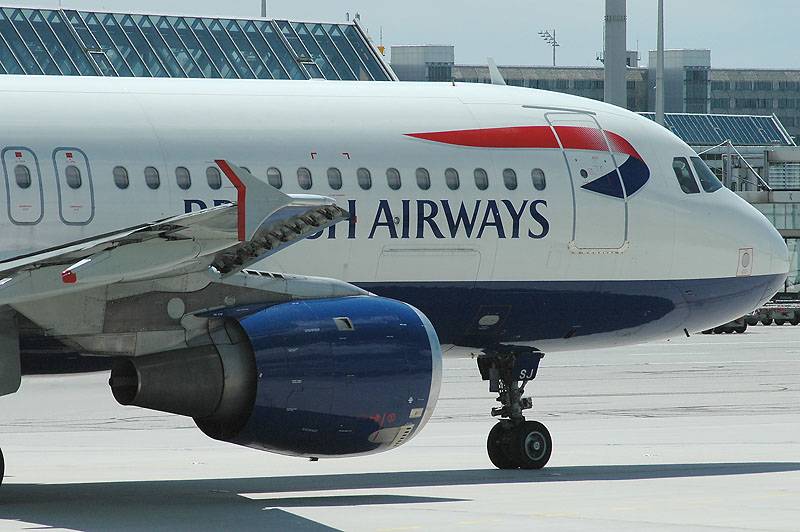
column 177, row 47
column 230, row 50
column 105, row 43
column 314, row 50
column 71, row 46
column 35, row 23
column 330, row 50
column 276, row 43
column 212, row 48
column 247, row 50
column 363, row 50
column 160, row 46
column 142, row 47
column 194, row 47
column 359, row 70
column 14, row 41
column 126, row 49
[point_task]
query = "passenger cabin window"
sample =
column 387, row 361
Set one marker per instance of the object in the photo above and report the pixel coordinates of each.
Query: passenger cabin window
column 152, row 177
column 708, row 180
column 22, row 175
column 510, row 179
column 73, row 175
column 539, row 179
column 121, row 178
column 335, row 178
column 452, row 179
column 481, row 179
column 274, row 177
column 304, row 178
column 214, row 178
column 684, row 175
column 364, row 178
column 423, row 179
column 393, row 178
column 183, row 177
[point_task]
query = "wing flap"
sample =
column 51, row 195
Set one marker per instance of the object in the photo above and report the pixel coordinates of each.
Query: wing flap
column 223, row 239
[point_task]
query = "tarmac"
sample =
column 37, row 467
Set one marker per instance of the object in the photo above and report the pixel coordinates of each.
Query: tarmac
column 699, row 433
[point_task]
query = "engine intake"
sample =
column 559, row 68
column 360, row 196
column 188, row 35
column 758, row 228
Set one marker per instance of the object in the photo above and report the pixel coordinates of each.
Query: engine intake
column 337, row 377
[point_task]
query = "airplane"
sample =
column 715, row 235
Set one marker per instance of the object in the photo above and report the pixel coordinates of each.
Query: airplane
column 288, row 262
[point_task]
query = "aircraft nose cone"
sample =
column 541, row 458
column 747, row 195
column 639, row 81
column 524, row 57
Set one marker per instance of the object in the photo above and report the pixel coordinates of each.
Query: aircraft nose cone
column 774, row 247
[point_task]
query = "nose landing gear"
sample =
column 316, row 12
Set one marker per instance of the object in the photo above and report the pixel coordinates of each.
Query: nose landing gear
column 514, row 443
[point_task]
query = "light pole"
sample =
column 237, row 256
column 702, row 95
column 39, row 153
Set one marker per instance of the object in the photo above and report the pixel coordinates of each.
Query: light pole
column 660, row 88
column 550, row 38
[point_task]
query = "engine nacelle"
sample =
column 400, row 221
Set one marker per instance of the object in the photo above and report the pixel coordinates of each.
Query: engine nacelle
column 336, row 377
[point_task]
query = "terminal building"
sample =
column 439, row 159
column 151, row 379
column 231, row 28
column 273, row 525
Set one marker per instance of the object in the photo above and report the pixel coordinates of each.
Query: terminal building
column 90, row 43
column 693, row 86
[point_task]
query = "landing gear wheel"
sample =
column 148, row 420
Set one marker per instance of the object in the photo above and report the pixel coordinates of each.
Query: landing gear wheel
column 532, row 445
column 779, row 322
column 498, row 446
column 766, row 322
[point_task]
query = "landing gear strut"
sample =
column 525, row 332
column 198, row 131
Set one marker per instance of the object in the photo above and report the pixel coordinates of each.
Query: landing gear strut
column 513, row 442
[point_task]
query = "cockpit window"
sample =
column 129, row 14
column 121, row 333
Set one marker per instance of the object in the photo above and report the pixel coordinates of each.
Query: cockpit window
column 684, row 175
column 708, row 180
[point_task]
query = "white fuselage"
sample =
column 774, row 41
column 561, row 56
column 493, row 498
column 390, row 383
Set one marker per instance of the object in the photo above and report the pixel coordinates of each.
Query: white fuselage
column 468, row 238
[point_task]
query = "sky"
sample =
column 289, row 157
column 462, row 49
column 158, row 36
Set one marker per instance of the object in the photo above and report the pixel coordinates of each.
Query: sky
column 740, row 33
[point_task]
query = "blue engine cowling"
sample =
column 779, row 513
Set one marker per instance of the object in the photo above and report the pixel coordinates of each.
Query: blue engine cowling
column 337, row 377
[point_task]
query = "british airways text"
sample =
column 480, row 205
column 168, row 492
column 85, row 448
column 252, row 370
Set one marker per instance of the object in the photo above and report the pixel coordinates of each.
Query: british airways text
column 418, row 219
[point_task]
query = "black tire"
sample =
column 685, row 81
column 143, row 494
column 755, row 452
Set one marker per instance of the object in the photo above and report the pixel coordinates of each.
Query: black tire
column 766, row 322
column 719, row 330
column 779, row 322
column 532, row 444
column 795, row 321
column 741, row 330
column 498, row 444
column 751, row 321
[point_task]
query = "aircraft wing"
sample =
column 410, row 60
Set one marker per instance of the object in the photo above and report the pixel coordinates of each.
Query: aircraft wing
column 223, row 240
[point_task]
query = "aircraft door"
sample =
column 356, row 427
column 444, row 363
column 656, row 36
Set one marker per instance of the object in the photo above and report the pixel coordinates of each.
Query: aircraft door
column 600, row 201
column 75, row 188
column 23, row 186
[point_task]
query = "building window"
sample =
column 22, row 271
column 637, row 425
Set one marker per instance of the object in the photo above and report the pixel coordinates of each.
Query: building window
column 452, row 179
column 720, row 103
column 423, row 179
column 214, row 178
column 762, row 86
column 121, row 177
column 684, row 175
column 183, row 177
column 720, row 85
column 510, row 179
column 304, row 178
column 481, row 179
column 22, row 175
column 538, row 178
column 364, row 178
column 335, row 178
column 152, row 178
column 393, row 178
column 73, row 175
column 787, row 103
column 743, row 85
column 274, row 177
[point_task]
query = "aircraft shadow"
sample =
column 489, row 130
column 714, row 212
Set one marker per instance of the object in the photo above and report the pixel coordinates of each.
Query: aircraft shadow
column 212, row 504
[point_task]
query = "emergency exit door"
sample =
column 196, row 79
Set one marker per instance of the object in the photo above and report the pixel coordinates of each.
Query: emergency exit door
column 23, row 186
column 75, row 189
column 601, row 215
